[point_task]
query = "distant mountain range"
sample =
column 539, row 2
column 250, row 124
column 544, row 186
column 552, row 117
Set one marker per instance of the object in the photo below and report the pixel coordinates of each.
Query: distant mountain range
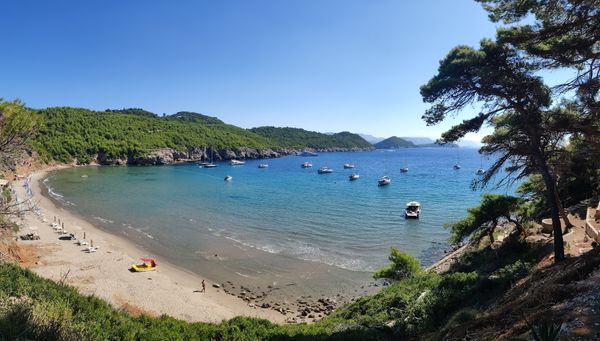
column 371, row 139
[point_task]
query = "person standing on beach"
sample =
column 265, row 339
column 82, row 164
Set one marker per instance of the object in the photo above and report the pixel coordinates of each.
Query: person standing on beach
column 203, row 286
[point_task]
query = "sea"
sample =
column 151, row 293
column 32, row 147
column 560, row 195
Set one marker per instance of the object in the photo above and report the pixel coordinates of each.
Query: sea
column 283, row 225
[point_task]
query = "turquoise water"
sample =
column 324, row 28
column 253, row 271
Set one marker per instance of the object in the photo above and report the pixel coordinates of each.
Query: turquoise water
column 188, row 213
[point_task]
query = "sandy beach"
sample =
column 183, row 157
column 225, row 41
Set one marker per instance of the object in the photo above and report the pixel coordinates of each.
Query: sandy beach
column 169, row 290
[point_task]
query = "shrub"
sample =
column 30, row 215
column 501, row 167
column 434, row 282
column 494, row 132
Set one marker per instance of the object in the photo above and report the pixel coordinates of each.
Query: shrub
column 403, row 266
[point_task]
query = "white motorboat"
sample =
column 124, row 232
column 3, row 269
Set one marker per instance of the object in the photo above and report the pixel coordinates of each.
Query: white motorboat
column 412, row 210
column 348, row 165
column 306, row 165
column 307, row 152
column 236, row 162
column 354, row 176
column 263, row 165
column 457, row 164
column 228, row 178
column 404, row 170
column 384, row 181
column 325, row 170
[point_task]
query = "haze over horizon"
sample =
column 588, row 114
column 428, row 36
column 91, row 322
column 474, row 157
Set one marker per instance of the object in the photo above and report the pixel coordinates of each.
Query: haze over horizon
column 323, row 66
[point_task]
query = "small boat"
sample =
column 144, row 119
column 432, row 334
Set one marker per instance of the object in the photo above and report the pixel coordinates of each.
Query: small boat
column 148, row 264
column 236, row 162
column 384, row 180
column 481, row 170
column 209, row 164
column 307, row 152
column 82, row 242
column 404, row 170
column 91, row 249
column 306, row 165
column 354, row 176
column 457, row 164
column 228, row 178
column 412, row 210
column 263, row 165
column 348, row 165
column 325, row 170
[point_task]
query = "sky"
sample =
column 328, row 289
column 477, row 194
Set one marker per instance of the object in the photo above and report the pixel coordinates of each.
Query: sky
column 322, row 65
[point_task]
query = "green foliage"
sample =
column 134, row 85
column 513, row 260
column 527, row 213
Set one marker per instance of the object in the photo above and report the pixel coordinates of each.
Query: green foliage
column 17, row 124
column 133, row 111
column 416, row 304
column 483, row 219
column 72, row 133
column 403, row 266
column 79, row 134
column 510, row 274
column 393, row 143
column 35, row 308
column 300, row 138
column 195, row 117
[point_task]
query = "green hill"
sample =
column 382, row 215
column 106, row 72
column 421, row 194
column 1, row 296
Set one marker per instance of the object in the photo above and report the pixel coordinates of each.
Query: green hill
column 300, row 138
column 68, row 134
column 394, row 143
column 195, row 117
column 75, row 133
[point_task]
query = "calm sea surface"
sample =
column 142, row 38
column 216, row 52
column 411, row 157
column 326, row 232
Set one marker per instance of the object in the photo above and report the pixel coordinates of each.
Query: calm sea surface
column 191, row 216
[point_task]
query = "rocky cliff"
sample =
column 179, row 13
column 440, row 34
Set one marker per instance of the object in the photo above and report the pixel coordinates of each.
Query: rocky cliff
column 166, row 156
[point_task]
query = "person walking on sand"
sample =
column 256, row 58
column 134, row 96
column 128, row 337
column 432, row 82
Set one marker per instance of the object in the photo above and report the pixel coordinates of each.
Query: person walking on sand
column 203, row 286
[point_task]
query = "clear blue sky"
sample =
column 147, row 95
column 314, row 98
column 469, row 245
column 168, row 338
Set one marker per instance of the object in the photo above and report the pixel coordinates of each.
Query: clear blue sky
column 324, row 65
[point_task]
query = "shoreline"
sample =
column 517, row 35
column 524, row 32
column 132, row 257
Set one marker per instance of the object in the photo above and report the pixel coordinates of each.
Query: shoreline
column 169, row 290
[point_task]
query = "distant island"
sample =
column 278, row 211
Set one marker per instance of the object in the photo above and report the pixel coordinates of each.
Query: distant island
column 395, row 142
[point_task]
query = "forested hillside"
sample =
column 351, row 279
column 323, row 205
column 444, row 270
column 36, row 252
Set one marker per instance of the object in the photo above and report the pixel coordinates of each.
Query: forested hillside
column 393, row 143
column 300, row 138
column 68, row 133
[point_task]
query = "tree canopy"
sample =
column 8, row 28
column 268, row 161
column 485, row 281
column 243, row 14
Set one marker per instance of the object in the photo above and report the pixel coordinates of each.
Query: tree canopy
column 403, row 266
column 17, row 124
column 483, row 219
column 514, row 101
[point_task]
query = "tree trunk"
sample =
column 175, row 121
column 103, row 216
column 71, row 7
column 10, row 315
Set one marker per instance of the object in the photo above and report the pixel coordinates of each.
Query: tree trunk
column 539, row 159
column 561, row 209
column 559, row 247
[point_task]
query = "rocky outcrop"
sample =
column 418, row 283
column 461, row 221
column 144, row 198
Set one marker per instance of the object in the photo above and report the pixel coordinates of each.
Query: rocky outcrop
column 166, row 156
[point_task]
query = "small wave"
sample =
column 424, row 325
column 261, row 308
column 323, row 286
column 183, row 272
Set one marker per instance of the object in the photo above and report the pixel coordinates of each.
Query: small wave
column 53, row 193
column 247, row 276
column 310, row 254
column 106, row 221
